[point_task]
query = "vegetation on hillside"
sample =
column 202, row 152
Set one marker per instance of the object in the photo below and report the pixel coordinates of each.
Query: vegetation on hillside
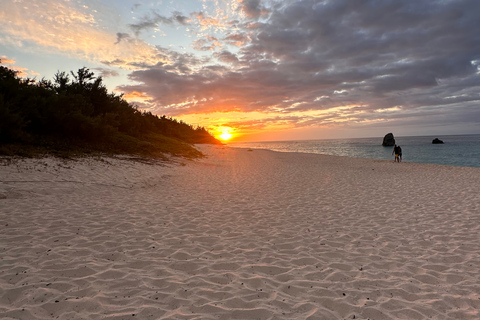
column 75, row 114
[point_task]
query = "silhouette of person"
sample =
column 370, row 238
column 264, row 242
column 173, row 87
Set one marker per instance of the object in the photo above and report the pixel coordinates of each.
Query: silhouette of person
column 396, row 152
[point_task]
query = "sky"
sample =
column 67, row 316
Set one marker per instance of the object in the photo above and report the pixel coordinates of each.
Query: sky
column 264, row 70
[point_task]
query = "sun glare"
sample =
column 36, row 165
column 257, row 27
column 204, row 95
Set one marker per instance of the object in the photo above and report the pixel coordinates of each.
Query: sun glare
column 225, row 136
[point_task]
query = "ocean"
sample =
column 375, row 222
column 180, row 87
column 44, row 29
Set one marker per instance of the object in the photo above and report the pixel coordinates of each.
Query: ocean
column 457, row 150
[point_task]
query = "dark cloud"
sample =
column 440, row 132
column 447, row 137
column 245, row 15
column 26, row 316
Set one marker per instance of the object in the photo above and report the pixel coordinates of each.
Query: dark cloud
column 125, row 64
column 226, row 56
column 315, row 55
column 106, row 73
column 237, row 39
column 151, row 22
column 179, row 18
column 253, row 8
column 121, row 36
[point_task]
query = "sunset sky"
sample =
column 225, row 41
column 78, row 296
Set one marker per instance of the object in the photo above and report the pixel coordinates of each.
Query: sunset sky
column 266, row 69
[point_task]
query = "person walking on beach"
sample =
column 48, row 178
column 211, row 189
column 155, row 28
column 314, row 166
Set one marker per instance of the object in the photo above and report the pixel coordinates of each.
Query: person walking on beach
column 397, row 153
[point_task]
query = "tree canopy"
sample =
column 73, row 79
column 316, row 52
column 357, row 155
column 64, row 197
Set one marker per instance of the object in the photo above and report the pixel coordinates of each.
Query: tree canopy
column 75, row 112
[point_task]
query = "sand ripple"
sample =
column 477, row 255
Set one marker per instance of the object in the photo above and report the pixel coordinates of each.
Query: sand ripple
column 239, row 235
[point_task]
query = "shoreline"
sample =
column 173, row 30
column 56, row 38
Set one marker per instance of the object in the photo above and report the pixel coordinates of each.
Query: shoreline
column 358, row 158
column 458, row 150
column 239, row 234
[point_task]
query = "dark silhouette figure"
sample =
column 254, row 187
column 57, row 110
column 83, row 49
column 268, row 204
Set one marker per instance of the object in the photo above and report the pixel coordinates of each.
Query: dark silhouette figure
column 398, row 153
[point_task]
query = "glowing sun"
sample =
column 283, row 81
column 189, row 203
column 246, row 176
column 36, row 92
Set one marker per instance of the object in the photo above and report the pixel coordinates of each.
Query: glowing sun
column 225, row 135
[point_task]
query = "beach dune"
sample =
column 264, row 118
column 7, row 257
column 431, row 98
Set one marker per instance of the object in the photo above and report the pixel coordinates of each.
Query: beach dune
column 240, row 234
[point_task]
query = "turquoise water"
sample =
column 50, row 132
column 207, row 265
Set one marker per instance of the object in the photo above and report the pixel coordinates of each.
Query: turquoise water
column 457, row 150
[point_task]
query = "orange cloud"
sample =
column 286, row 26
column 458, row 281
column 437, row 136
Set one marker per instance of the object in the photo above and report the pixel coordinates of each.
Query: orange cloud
column 239, row 124
column 243, row 125
column 136, row 96
column 21, row 72
column 59, row 26
column 208, row 21
column 208, row 43
column 5, row 60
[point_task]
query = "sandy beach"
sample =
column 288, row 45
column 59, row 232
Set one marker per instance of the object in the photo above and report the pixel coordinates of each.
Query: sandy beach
column 240, row 234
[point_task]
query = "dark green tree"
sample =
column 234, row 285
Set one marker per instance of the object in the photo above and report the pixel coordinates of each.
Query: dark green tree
column 80, row 112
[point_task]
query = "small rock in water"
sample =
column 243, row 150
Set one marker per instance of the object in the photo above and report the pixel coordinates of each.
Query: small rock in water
column 388, row 140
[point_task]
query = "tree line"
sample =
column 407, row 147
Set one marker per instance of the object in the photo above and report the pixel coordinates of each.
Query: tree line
column 75, row 112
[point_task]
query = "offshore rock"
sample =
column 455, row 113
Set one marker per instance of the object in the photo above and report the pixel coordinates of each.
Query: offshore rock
column 437, row 141
column 388, row 140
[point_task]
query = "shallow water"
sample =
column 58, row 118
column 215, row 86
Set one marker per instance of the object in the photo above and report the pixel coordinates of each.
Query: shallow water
column 457, row 150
